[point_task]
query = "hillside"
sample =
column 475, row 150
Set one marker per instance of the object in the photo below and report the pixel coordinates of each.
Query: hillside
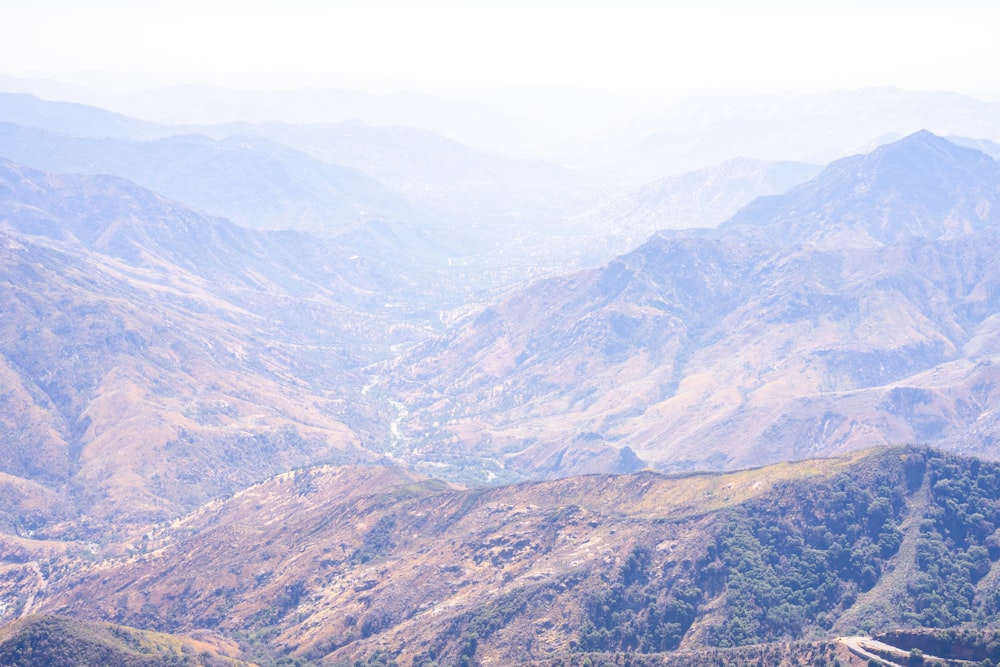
column 856, row 309
column 333, row 564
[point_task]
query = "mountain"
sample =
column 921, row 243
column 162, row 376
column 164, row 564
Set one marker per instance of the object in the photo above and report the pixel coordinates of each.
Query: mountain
column 337, row 564
column 623, row 141
column 263, row 186
column 858, row 308
column 701, row 198
column 921, row 186
column 465, row 122
column 154, row 358
column 261, row 435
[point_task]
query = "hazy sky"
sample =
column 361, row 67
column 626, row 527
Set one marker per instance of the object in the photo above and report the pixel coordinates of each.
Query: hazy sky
column 386, row 45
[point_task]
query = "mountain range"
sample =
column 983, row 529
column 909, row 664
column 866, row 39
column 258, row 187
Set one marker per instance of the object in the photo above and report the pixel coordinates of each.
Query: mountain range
column 857, row 308
column 500, row 217
column 378, row 439
column 697, row 132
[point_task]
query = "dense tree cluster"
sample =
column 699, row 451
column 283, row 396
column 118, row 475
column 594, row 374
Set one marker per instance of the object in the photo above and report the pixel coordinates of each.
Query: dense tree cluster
column 786, row 564
column 794, row 561
column 958, row 542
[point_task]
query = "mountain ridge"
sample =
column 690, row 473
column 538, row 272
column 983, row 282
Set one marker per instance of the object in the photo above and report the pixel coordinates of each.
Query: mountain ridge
column 342, row 569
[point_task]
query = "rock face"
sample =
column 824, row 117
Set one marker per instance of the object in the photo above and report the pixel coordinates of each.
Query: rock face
column 859, row 308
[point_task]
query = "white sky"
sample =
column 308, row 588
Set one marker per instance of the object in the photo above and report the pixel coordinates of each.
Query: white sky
column 443, row 46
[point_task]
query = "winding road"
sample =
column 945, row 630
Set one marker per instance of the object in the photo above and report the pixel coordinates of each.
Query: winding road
column 858, row 645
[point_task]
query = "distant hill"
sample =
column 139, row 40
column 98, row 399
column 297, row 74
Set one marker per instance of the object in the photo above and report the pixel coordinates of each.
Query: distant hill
column 627, row 142
column 262, row 186
column 857, row 308
column 496, row 215
column 921, row 186
column 702, row 198
column 488, row 192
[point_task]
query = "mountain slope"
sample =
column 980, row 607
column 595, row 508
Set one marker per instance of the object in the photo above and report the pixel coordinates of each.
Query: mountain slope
column 848, row 312
column 337, row 564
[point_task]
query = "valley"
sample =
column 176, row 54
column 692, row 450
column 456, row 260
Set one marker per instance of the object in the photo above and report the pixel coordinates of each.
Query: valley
column 343, row 393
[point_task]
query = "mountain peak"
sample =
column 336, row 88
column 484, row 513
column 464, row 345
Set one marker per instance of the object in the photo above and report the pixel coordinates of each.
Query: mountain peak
column 927, row 146
column 919, row 186
column 921, row 136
